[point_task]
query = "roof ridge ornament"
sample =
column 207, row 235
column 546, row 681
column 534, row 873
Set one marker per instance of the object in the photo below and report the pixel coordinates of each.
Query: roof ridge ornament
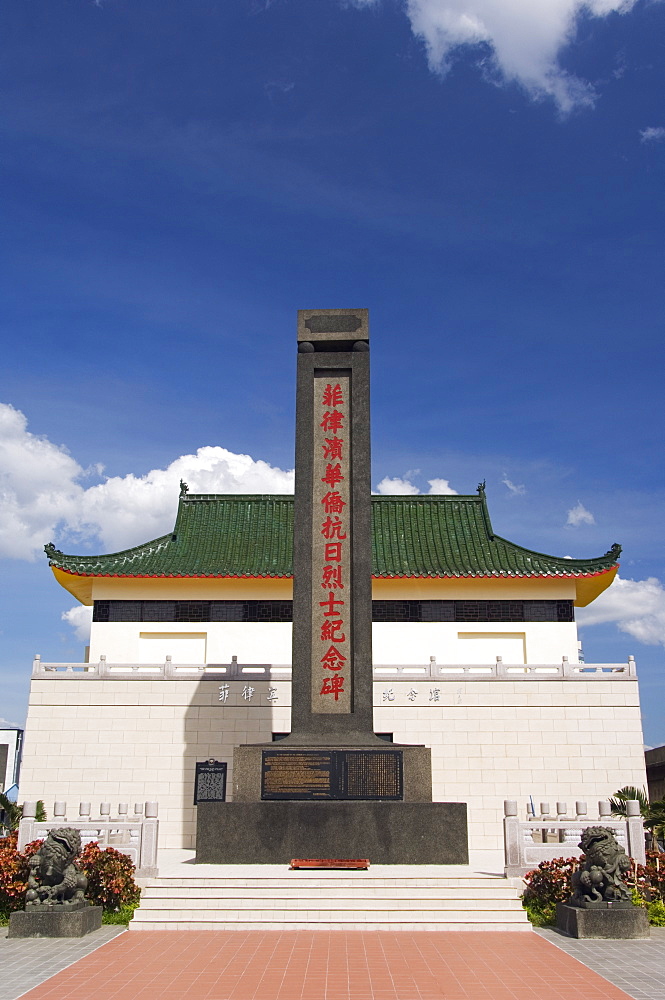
column 614, row 551
column 51, row 551
column 184, row 488
column 480, row 489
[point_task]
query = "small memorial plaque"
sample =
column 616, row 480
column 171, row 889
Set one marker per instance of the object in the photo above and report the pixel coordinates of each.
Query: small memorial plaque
column 332, row 774
column 210, row 781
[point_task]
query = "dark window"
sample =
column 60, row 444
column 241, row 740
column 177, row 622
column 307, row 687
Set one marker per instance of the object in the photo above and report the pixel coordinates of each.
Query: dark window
column 382, row 611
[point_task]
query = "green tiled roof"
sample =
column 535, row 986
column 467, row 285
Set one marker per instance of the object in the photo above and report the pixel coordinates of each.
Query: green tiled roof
column 251, row 536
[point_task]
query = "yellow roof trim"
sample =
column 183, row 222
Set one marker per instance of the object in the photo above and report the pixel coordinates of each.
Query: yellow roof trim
column 79, row 586
column 588, row 588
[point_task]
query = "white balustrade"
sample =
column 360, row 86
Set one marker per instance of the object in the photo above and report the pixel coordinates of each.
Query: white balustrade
column 545, row 837
column 282, row 671
column 134, row 835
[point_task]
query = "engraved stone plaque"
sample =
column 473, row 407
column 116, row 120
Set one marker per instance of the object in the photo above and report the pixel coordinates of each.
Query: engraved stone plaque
column 332, row 774
column 210, row 781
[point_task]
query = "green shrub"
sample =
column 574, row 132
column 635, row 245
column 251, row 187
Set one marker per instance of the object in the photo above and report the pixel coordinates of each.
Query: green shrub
column 121, row 916
column 656, row 913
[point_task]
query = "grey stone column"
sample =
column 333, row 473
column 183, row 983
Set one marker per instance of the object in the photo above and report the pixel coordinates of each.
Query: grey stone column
column 333, row 350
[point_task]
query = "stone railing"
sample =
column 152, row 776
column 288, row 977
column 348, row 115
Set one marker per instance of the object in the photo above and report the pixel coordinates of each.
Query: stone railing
column 282, row 671
column 134, row 835
column 546, row 836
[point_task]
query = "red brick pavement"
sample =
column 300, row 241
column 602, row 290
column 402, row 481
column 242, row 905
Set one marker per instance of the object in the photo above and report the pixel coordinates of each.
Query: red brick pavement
column 322, row 965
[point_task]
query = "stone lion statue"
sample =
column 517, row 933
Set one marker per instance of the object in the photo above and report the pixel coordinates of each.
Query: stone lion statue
column 55, row 878
column 598, row 879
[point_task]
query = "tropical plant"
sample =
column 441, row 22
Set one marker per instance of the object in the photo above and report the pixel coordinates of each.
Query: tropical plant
column 11, row 814
column 624, row 795
column 655, row 821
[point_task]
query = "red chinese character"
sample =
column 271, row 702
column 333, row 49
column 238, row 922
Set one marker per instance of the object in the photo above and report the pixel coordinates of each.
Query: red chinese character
column 332, row 528
column 333, row 503
column 333, row 659
column 332, row 395
column 331, row 578
column 333, row 475
column 330, row 604
column 332, row 552
column 329, row 632
column 332, row 447
column 332, row 421
column 333, row 685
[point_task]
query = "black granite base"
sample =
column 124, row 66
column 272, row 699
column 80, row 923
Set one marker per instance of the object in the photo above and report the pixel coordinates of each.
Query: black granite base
column 612, row 922
column 388, row 833
column 55, row 923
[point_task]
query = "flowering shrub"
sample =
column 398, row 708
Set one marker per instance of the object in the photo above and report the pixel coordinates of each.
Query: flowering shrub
column 547, row 885
column 14, row 873
column 110, row 877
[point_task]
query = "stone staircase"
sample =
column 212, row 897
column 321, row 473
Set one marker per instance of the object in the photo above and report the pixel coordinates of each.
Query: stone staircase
column 270, row 897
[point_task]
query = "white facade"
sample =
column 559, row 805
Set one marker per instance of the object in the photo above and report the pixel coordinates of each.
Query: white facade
column 133, row 732
column 393, row 642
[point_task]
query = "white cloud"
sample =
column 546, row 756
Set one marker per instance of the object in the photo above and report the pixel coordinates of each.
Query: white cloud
column 580, row 515
column 653, row 133
column 517, row 490
column 396, row 487
column 440, row 487
column 80, row 618
column 404, row 487
column 43, row 496
column 525, row 38
column 635, row 606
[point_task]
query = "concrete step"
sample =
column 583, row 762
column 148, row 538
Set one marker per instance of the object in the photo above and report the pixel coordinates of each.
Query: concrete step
column 279, row 900
column 307, row 925
column 355, row 892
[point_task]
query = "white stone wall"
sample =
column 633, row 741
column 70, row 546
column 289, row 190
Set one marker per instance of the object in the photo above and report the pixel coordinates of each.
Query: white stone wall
column 96, row 739
column 393, row 642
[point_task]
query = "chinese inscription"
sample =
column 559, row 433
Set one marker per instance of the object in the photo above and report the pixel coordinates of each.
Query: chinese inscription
column 331, row 546
column 331, row 774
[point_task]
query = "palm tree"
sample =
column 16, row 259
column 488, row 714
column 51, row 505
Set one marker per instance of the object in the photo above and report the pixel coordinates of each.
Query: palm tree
column 618, row 803
column 653, row 813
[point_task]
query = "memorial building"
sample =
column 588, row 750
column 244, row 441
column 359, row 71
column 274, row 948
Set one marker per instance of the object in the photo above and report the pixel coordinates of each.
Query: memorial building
column 473, row 651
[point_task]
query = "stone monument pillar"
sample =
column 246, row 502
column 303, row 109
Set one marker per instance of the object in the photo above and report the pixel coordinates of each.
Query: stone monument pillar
column 332, row 788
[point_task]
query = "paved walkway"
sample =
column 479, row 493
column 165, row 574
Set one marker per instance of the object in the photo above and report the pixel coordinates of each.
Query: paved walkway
column 27, row 962
column 339, row 965
column 638, row 967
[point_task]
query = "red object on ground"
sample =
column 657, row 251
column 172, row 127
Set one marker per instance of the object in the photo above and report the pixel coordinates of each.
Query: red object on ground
column 357, row 863
column 326, row 965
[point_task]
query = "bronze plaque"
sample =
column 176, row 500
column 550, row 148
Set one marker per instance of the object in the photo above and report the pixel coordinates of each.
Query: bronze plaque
column 332, row 774
column 297, row 774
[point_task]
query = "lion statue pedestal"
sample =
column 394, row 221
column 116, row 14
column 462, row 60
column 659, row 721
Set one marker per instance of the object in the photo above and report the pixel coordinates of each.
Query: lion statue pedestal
column 601, row 905
column 55, row 903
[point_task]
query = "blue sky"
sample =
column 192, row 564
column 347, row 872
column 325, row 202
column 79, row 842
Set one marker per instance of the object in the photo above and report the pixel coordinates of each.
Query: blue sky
column 178, row 179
